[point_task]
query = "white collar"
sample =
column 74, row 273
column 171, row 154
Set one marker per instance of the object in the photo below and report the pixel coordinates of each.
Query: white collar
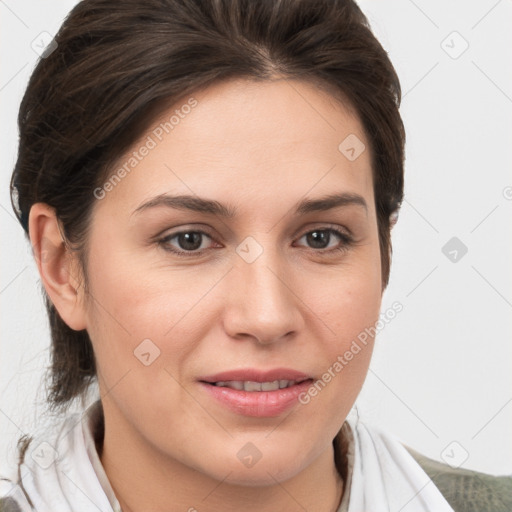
column 62, row 471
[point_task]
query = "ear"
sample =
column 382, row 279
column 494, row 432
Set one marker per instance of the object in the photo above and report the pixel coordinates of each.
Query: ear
column 393, row 218
column 57, row 265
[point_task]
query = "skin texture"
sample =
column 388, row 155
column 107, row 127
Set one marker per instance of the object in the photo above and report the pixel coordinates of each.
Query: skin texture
column 260, row 148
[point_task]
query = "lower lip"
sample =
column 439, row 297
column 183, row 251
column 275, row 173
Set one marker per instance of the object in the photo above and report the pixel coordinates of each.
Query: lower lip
column 258, row 403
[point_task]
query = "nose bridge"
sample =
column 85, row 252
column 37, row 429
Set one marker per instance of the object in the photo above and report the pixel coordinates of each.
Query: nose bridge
column 262, row 304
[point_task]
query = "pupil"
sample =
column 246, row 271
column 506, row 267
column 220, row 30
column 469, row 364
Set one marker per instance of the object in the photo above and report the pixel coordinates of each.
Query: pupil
column 318, row 239
column 190, row 241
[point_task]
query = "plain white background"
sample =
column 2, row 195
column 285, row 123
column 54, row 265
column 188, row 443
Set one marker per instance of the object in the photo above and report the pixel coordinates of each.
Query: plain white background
column 440, row 379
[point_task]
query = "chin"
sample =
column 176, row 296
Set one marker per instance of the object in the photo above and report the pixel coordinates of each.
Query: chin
column 254, row 468
column 263, row 476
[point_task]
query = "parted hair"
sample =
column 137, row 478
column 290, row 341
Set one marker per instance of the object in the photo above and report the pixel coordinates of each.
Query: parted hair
column 113, row 63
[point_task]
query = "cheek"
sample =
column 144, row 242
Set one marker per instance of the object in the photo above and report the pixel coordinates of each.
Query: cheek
column 132, row 293
column 130, row 303
column 349, row 298
column 348, row 305
column 350, row 311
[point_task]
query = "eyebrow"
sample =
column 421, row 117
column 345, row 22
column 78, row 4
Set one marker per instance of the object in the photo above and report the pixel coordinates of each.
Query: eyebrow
column 202, row 205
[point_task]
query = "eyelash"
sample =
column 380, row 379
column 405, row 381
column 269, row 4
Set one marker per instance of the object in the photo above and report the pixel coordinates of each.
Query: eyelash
column 346, row 242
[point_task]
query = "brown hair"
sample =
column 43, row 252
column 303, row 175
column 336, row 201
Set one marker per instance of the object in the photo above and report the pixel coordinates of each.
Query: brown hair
column 90, row 98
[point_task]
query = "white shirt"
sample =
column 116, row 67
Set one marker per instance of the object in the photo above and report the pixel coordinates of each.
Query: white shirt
column 62, row 472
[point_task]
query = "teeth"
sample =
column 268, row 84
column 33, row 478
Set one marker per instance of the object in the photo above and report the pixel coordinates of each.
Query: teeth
column 249, row 385
column 270, row 386
column 233, row 384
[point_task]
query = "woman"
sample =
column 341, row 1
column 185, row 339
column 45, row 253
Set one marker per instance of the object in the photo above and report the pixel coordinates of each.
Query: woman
column 209, row 189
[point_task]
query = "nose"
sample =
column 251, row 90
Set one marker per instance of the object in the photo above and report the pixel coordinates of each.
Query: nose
column 262, row 304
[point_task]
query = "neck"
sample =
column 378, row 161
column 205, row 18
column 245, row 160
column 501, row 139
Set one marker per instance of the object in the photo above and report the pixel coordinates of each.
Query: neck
column 140, row 475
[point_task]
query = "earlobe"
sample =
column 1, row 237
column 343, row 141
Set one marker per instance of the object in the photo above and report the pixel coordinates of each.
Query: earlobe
column 393, row 219
column 57, row 266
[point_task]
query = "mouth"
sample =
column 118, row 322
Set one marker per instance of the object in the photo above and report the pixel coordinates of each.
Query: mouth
column 253, row 386
column 257, row 393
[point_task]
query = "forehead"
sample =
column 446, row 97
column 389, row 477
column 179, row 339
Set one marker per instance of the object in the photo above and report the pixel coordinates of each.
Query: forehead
column 266, row 139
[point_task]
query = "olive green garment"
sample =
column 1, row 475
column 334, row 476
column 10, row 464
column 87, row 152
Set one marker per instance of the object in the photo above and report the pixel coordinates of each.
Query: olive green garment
column 466, row 490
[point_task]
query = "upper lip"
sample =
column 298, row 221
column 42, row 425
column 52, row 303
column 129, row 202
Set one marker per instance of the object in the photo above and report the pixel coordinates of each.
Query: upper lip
column 255, row 375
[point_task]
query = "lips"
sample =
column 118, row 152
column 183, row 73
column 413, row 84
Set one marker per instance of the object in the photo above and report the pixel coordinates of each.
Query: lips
column 250, row 385
column 254, row 375
column 258, row 393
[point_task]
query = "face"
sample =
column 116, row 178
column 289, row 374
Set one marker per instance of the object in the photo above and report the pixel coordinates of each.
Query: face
column 194, row 304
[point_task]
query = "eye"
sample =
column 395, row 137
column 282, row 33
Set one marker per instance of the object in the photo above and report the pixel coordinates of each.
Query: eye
column 327, row 239
column 185, row 243
column 195, row 242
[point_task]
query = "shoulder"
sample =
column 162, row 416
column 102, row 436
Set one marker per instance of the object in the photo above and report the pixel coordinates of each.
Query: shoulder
column 467, row 490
